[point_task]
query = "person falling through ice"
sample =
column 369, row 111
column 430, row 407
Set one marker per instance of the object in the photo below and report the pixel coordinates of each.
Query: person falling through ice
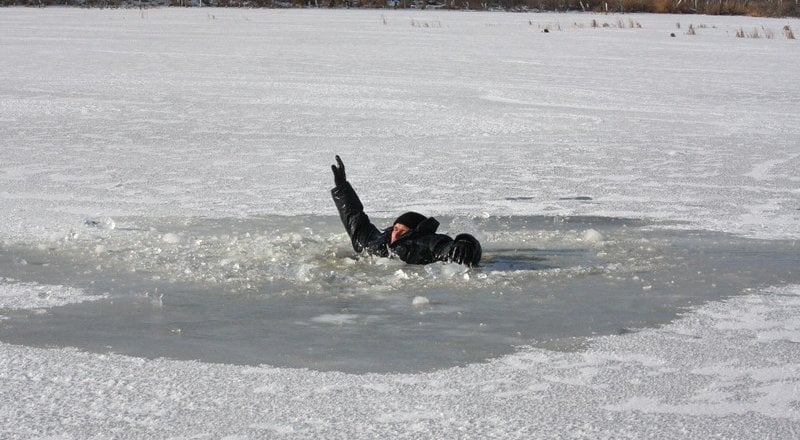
column 411, row 238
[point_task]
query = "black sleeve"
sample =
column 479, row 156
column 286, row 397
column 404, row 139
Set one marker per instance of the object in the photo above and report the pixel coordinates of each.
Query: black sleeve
column 441, row 249
column 423, row 248
column 357, row 224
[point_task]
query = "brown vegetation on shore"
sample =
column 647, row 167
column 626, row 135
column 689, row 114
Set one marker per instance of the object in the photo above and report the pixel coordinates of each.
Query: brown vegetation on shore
column 761, row 8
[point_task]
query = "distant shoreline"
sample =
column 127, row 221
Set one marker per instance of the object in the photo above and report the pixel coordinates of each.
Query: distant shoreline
column 759, row 8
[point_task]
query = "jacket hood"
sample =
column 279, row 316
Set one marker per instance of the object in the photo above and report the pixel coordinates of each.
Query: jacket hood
column 430, row 224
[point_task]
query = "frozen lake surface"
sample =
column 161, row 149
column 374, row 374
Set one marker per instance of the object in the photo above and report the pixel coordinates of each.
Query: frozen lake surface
column 164, row 188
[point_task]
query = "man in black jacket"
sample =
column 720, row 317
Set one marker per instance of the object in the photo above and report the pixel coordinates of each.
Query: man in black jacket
column 412, row 237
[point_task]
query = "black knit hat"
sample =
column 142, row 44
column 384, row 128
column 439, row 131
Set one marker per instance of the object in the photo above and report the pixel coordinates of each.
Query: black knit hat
column 410, row 219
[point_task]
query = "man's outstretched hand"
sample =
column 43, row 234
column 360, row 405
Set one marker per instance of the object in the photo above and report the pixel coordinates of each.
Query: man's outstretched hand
column 339, row 178
column 465, row 250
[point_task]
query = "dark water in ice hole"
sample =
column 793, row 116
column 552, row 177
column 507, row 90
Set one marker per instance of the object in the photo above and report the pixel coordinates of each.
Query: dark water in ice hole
column 287, row 291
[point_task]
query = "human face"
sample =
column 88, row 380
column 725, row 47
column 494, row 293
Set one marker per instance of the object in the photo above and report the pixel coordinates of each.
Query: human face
column 399, row 230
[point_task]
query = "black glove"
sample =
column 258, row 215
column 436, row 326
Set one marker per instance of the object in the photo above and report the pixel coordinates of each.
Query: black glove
column 465, row 250
column 339, row 177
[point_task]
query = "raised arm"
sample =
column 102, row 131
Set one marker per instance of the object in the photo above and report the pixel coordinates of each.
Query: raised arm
column 357, row 224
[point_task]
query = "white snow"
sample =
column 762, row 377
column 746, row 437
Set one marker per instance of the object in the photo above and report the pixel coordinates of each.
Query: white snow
column 236, row 113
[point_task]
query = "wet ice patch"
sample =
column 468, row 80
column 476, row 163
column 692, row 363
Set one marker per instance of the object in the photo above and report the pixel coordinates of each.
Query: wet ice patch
column 26, row 295
column 337, row 319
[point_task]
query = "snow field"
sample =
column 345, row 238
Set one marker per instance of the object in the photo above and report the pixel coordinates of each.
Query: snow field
column 236, row 113
column 229, row 113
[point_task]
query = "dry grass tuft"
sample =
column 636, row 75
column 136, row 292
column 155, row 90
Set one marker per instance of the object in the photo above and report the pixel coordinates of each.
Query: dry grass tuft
column 425, row 24
column 619, row 24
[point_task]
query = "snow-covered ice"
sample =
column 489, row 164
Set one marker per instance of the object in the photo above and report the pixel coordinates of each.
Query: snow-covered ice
column 729, row 370
column 175, row 113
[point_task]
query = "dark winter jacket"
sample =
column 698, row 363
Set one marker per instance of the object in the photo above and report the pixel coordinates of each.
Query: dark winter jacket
column 422, row 245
